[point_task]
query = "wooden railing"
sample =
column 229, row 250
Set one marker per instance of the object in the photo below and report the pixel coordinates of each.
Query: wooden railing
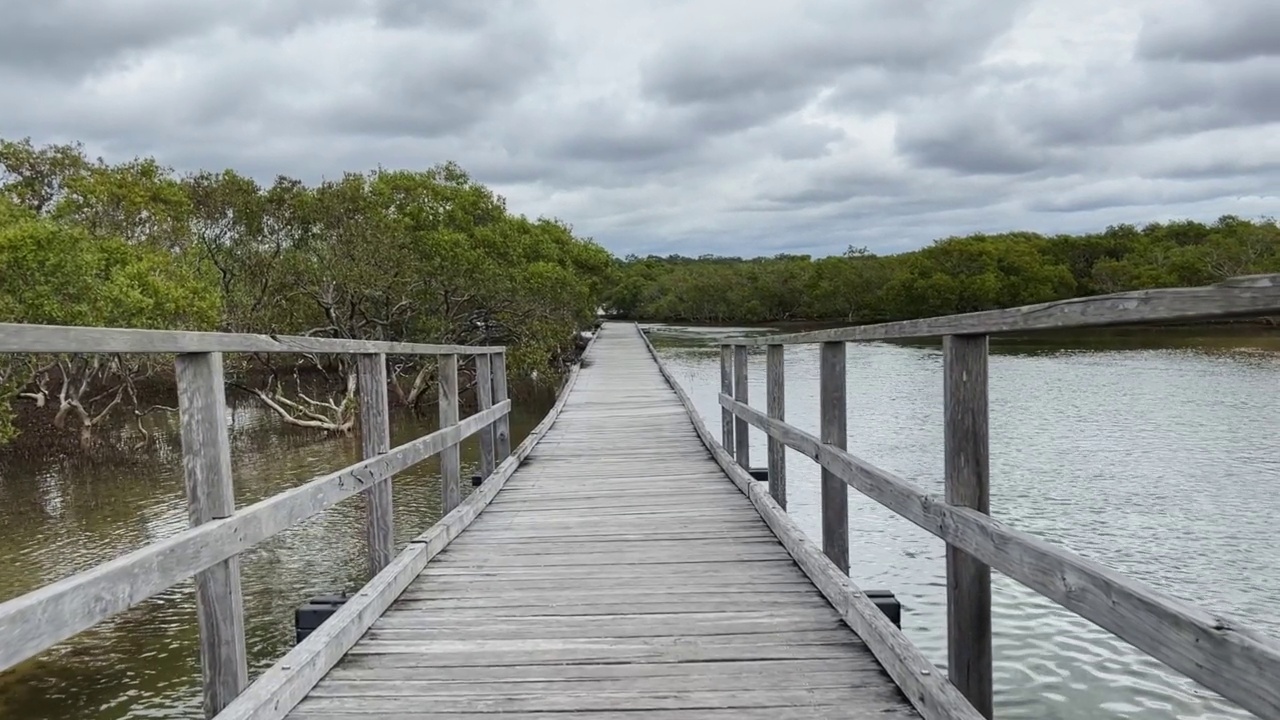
column 1240, row 664
column 209, row 549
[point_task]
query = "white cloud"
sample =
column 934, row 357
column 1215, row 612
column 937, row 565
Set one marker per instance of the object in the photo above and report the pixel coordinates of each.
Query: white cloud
column 722, row 126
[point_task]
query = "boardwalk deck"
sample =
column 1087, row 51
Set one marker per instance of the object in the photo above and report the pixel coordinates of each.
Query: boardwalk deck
column 618, row 574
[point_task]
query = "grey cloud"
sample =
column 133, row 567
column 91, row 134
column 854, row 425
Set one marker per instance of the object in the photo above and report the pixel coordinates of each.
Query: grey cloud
column 1225, row 31
column 970, row 144
column 68, row 38
column 720, row 126
column 831, row 38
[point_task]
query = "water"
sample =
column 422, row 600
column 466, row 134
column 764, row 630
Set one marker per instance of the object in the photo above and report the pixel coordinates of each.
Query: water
column 1152, row 452
column 58, row 519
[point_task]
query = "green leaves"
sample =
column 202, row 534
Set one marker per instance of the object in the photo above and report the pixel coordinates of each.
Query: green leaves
column 954, row 275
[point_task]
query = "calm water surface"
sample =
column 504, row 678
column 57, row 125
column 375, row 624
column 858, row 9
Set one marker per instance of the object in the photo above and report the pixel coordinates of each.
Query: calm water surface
column 1155, row 453
column 56, row 520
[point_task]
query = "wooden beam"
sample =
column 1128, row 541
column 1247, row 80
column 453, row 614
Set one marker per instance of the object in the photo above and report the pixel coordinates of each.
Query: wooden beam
column 776, row 392
column 31, row 623
column 206, row 463
column 833, row 419
column 1251, row 295
column 484, row 401
column 928, row 690
column 1222, row 654
column 24, row 338
column 741, row 437
column 450, row 457
column 726, row 387
column 967, row 478
column 375, row 439
column 282, row 686
column 502, row 429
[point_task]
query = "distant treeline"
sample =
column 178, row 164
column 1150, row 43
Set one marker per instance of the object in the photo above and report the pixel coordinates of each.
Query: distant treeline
column 954, row 275
column 430, row 256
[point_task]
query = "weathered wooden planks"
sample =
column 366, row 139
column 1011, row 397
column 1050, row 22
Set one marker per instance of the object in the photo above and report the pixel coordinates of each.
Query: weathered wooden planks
column 726, row 387
column 37, row 620
column 617, row 571
column 833, row 420
column 1234, row 297
column 375, row 439
column 206, row 462
column 25, row 338
column 502, row 428
column 1219, row 653
column 286, row 682
column 741, row 432
column 967, row 478
column 450, row 457
column 484, row 401
column 776, row 402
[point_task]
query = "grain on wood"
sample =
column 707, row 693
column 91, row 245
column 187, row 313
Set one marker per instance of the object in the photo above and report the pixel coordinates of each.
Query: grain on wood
column 25, row 338
column 285, row 683
column 726, row 387
column 1251, row 295
column 450, row 457
column 206, row 464
column 776, row 392
column 741, row 386
column 1218, row 652
column 375, row 439
column 564, row 596
column 31, row 623
column 833, row 420
column 929, row 692
column 967, row 484
column 484, row 401
column 501, row 429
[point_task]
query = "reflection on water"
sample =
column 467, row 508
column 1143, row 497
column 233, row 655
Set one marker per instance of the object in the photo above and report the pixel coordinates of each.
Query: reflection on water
column 56, row 520
column 1152, row 452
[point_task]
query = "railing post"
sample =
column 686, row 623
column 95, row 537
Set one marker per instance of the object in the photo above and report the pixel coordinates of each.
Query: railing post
column 206, row 464
column 501, row 428
column 741, row 435
column 375, row 439
column 726, row 388
column 776, row 393
column 484, row 401
column 967, row 485
column 834, row 431
column 450, row 457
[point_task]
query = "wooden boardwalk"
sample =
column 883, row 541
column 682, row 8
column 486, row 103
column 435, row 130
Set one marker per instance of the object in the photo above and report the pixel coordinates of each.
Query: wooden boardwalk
column 619, row 573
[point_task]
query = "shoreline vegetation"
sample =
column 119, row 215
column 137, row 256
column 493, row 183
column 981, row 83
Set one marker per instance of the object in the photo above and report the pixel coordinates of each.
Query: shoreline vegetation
column 416, row 256
column 435, row 256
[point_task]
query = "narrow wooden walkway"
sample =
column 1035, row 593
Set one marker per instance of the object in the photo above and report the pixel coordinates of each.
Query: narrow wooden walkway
column 618, row 574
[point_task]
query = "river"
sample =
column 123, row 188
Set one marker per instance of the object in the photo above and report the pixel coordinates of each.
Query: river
column 57, row 519
column 1153, row 452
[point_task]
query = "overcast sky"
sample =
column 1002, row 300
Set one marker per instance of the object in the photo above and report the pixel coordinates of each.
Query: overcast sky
column 741, row 127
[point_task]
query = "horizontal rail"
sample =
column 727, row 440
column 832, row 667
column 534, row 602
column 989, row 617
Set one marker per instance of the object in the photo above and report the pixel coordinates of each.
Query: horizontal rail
column 928, row 691
column 283, row 685
column 24, row 338
column 1249, row 295
column 1232, row 660
column 31, row 623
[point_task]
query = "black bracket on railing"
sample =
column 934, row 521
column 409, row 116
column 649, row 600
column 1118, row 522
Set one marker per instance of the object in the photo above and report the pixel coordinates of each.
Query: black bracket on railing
column 309, row 616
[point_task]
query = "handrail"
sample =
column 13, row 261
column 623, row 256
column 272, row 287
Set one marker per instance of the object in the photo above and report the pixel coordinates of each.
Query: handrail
column 209, row 549
column 27, row 338
column 283, row 685
column 1234, row 297
column 928, row 692
column 34, row 622
column 1221, row 654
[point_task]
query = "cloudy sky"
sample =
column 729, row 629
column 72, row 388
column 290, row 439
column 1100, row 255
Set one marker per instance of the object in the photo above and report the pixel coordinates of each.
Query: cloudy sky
column 741, row 127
